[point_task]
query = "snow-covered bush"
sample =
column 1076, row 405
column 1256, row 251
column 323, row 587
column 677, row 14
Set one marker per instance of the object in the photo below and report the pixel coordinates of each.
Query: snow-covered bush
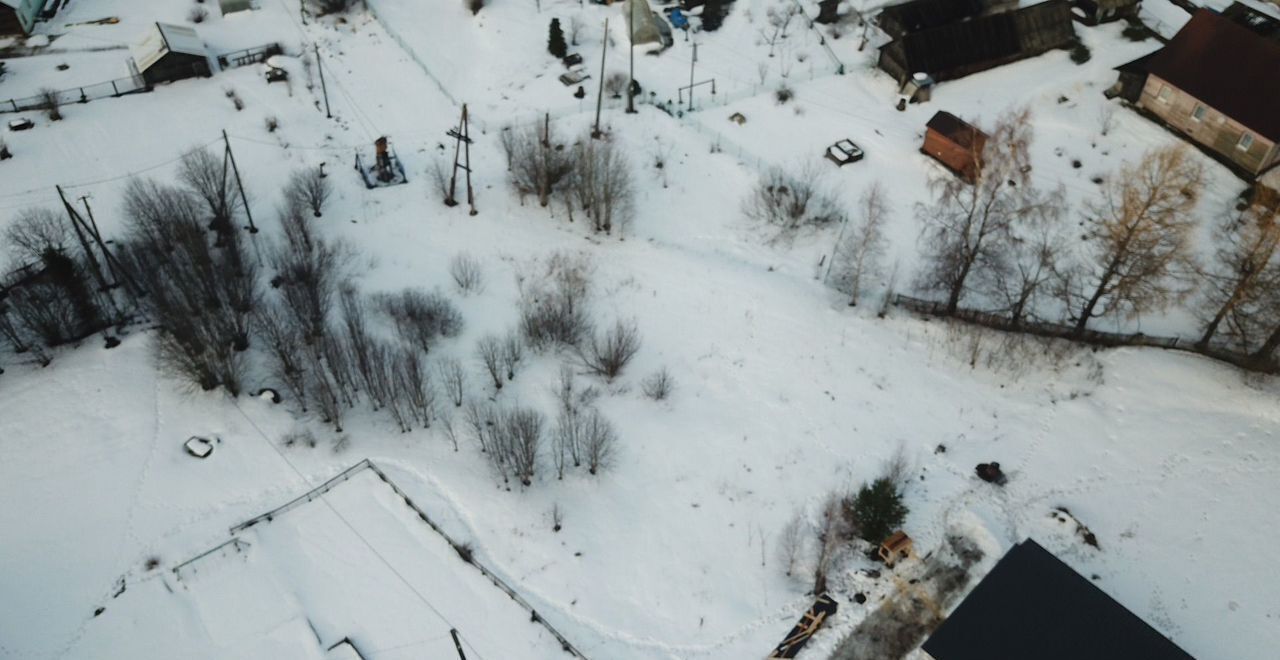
column 553, row 303
column 791, row 201
column 658, row 385
column 607, row 355
column 467, row 274
column 421, row 317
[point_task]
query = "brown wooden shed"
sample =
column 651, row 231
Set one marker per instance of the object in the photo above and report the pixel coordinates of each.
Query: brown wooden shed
column 955, row 143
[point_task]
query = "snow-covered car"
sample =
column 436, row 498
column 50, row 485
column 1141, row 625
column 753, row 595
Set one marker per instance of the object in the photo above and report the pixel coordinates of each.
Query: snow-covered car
column 844, row 152
column 574, row 77
column 20, row 124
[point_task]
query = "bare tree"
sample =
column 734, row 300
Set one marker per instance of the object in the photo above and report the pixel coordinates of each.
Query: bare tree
column 1136, row 254
column 575, row 28
column 1032, row 256
column 831, row 532
column 413, row 383
column 489, row 351
column 1243, row 271
column 859, row 249
column 49, row 103
column 599, row 441
column 791, row 543
column 282, row 340
column 35, row 231
column 205, row 175
column 308, row 271
column 967, row 227
column 453, row 378
column 535, row 163
column 512, row 353
column 309, row 188
column 615, row 84
column 467, row 274
column 608, row 354
column 602, row 184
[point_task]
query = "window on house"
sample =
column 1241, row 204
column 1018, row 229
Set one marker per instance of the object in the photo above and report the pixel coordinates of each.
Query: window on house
column 1245, row 142
column 1198, row 113
column 1165, row 93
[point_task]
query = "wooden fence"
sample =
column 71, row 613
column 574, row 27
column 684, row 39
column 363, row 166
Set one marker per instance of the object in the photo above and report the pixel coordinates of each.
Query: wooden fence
column 1095, row 337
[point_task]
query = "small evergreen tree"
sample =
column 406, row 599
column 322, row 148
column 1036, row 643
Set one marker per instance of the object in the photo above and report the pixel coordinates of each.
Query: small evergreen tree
column 555, row 42
column 877, row 510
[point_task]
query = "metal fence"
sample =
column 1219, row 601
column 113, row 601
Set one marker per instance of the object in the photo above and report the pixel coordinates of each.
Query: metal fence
column 249, row 55
column 235, row 544
column 83, row 94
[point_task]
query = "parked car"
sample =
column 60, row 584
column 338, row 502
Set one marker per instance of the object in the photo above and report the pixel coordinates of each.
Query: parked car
column 844, row 152
column 20, row 124
column 574, row 76
column 571, row 60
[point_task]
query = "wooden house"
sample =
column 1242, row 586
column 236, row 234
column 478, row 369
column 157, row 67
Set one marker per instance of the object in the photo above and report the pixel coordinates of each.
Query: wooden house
column 170, row 52
column 955, row 143
column 917, row 15
column 1093, row 12
column 1215, row 82
column 18, row 17
column 1032, row 605
column 969, row 44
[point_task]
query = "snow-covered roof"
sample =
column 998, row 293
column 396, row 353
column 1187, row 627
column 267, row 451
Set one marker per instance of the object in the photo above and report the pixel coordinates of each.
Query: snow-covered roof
column 11, row 3
column 165, row 38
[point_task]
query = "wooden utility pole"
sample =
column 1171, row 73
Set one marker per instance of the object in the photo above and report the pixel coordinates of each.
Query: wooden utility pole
column 461, row 149
column 604, row 49
column 457, row 644
column 85, row 232
column 323, row 87
column 244, row 199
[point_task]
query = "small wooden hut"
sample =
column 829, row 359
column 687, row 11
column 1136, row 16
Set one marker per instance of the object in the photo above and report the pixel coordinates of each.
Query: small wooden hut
column 170, row 52
column 955, row 143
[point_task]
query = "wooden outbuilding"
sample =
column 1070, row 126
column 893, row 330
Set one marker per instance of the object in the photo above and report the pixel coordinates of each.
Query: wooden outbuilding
column 1215, row 82
column 170, row 52
column 897, row 547
column 945, row 43
column 955, row 143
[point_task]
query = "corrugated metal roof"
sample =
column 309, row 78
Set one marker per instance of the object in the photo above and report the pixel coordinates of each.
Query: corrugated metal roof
column 164, row 38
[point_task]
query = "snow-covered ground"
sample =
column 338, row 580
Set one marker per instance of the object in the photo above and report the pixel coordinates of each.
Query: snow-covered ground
column 783, row 393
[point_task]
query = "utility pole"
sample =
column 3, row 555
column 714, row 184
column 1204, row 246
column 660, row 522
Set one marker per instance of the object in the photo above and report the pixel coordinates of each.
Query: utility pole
column 462, row 147
column 77, row 224
column 631, row 48
column 323, row 87
column 84, row 231
column 692, row 61
column 604, row 49
column 97, row 238
column 229, row 156
column 457, row 644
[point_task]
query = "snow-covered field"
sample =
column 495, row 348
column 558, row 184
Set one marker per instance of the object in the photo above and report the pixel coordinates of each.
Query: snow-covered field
column 783, row 392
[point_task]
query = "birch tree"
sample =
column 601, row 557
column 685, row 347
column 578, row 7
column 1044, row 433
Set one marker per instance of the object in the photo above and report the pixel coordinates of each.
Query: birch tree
column 1136, row 256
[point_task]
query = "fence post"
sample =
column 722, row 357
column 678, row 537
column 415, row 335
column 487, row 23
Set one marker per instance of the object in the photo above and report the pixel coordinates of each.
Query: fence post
column 14, row 104
column 115, row 91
